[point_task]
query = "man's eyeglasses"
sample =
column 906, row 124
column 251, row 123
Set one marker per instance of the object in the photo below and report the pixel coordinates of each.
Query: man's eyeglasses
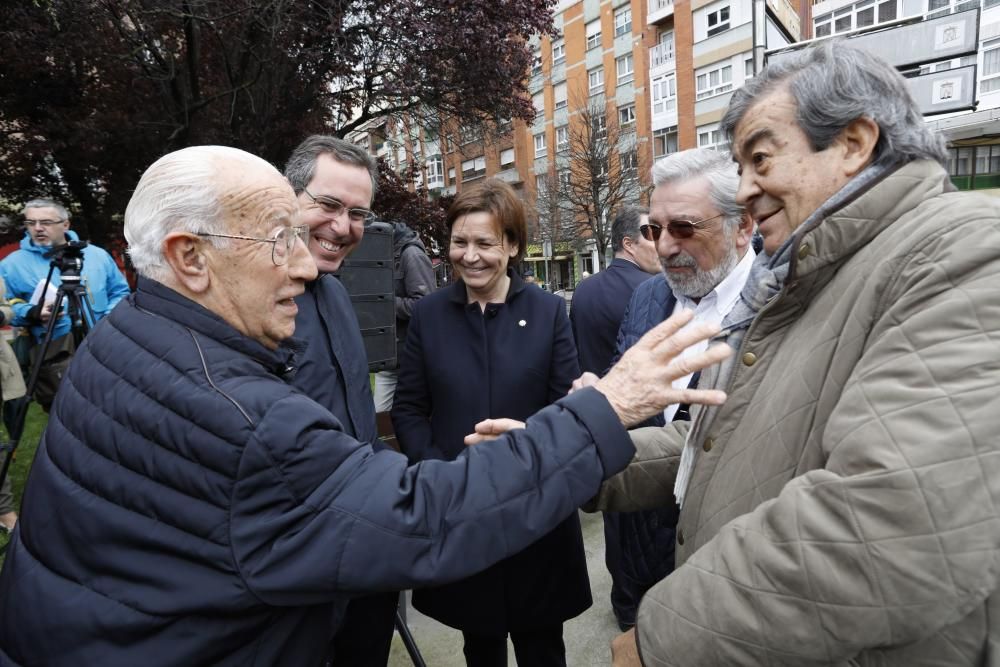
column 336, row 207
column 283, row 241
column 679, row 229
column 28, row 224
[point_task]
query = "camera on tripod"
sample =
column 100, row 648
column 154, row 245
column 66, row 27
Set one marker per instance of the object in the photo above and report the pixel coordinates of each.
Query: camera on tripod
column 68, row 258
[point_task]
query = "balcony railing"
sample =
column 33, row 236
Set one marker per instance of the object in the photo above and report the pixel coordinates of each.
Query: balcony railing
column 661, row 54
column 656, row 6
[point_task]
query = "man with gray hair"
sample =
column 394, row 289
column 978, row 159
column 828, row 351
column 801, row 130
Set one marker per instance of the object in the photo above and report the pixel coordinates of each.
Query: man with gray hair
column 188, row 506
column 843, row 506
column 702, row 238
column 334, row 182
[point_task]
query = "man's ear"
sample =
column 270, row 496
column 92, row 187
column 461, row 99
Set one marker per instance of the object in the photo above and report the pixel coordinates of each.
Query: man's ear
column 184, row 254
column 744, row 231
column 858, row 142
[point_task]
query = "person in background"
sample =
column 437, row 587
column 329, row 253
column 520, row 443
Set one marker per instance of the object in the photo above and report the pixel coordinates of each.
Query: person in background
column 334, row 183
column 413, row 278
column 596, row 315
column 11, row 389
column 491, row 346
column 47, row 226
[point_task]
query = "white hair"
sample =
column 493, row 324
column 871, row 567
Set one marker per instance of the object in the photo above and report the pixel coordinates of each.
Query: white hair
column 178, row 192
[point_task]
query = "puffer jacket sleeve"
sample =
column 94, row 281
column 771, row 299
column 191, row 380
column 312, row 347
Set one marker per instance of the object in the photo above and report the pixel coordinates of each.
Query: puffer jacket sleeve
column 898, row 536
column 314, row 512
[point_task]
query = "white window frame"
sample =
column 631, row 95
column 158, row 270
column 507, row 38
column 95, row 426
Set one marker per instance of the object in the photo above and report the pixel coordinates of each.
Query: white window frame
column 538, row 102
column 562, row 138
column 710, row 136
column 661, row 136
column 623, row 21
column 625, row 75
column 474, row 168
column 629, row 161
column 599, row 126
column 595, row 80
column 541, row 150
column 626, row 115
column 435, row 171
column 989, row 82
column 507, row 158
column 558, row 51
column 536, row 64
column 664, row 93
column 718, row 21
column 594, row 34
column 713, row 80
column 559, row 95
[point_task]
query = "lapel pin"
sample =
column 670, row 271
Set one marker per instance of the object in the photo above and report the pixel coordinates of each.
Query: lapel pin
column 522, row 323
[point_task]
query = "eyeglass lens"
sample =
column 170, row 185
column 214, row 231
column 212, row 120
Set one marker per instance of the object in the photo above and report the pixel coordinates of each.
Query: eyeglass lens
column 43, row 223
column 336, row 207
column 679, row 229
column 284, row 243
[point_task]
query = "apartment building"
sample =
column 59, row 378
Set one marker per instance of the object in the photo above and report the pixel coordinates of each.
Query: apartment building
column 973, row 137
column 657, row 73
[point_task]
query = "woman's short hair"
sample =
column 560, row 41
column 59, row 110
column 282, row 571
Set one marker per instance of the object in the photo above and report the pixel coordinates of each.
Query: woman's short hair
column 497, row 198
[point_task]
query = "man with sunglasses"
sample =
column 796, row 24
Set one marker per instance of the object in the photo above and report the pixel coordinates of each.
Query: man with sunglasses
column 47, row 225
column 702, row 237
column 334, row 182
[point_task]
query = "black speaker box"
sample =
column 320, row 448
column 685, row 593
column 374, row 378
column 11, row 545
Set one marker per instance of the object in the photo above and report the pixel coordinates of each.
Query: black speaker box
column 367, row 275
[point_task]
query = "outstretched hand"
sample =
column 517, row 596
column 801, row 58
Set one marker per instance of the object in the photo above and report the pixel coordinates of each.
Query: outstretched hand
column 639, row 385
column 491, row 429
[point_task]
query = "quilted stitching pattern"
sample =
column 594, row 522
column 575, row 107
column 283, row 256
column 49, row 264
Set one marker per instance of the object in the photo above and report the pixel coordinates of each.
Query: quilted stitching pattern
column 850, row 508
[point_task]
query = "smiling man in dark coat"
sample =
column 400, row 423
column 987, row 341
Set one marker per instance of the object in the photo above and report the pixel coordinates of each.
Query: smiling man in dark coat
column 187, row 506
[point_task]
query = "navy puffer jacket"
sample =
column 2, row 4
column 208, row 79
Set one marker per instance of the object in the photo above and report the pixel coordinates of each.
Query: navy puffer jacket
column 647, row 537
column 189, row 507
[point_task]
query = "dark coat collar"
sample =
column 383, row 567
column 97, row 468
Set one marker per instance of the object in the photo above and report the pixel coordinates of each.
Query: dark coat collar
column 460, row 295
column 156, row 298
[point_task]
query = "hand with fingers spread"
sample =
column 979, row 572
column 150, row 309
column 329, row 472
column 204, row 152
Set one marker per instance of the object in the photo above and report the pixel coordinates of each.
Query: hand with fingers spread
column 639, row 385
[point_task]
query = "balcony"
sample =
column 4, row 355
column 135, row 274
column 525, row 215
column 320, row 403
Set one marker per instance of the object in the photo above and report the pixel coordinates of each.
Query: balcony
column 661, row 58
column 659, row 10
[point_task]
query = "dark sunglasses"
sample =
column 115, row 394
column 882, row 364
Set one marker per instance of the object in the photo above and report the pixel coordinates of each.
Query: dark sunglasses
column 679, row 229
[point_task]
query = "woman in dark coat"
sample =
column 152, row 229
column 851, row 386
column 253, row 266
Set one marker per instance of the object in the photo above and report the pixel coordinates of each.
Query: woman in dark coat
column 491, row 345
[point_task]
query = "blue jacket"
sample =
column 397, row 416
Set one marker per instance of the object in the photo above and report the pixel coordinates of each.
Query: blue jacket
column 599, row 304
column 187, row 506
column 23, row 269
column 461, row 365
column 333, row 369
column 647, row 537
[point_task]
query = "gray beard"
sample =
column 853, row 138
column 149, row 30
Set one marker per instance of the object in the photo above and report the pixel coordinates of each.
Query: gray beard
column 700, row 282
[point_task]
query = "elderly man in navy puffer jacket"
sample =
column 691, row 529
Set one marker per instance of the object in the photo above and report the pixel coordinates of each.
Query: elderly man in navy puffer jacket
column 188, row 506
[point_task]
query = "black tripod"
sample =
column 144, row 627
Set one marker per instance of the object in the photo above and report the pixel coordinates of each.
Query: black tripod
column 68, row 258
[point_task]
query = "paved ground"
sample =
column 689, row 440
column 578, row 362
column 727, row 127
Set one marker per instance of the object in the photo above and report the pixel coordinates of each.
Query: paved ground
column 587, row 636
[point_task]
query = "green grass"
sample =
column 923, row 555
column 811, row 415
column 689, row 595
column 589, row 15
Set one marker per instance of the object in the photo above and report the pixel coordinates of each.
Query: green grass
column 34, row 424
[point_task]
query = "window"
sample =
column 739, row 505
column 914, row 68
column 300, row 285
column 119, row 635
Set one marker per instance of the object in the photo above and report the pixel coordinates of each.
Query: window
column 823, row 30
column 468, row 135
column 709, row 136
column 629, row 162
column 887, row 11
column 451, row 174
column 540, row 149
column 990, row 77
column 538, row 101
column 474, row 168
column 558, row 51
column 748, row 68
column 595, row 80
column 562, row 138
column 623, row 21
column 599, row 125
column 624, row 67
column 565, row 178
column 507, row 158
column 559, row 93
column 594, row 34
column 663, row 52
column 709, row 82
column 626, row 115
column 664, row 94
column 718, row 21
column 664, row 141
column 435, row 172
column 536, row 64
